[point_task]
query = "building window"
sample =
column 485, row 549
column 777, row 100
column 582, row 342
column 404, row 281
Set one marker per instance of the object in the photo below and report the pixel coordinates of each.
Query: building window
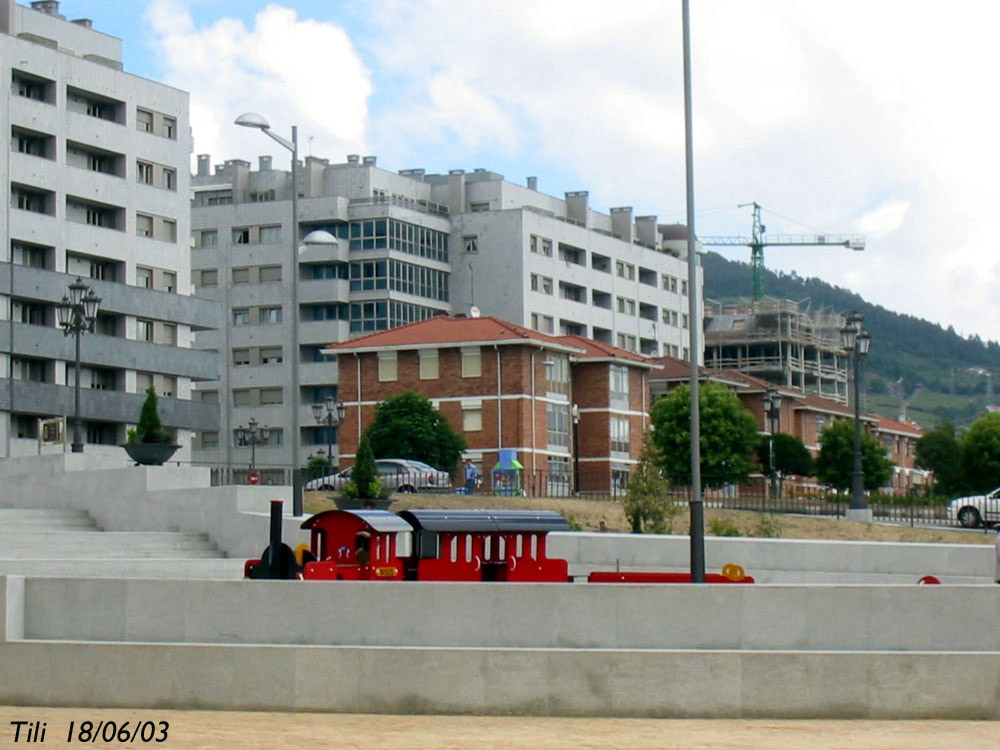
column 625, row 270
column 558, row 479
column 533, row 243
column 169, row 179
column 143, row 330
column 271, row 355
column 169, row 127
column 558, row 421
column 269, row 274
column 169, row 230
column 626, row 306
column 210, row 439
column 143, row 225
column 241, row 357
column 542, row 323
column 627, row 342
column 479, row 207
column 241, row 317
column 241, row 235
column 144, row 172
column 619, row 427
column 546, row 247
column 387, row 368
column 684, row 286
column 241, row 275
column 144, row 277
column 472, row 362
column 242, row 397
column 270, row 315
column 270, row 233
column 684, row 320
column 472, row 417
column 557, row 373
column 471, row 243
column 209, row 277
column 428, row 364
column 619, row 385
column 270, row 396
column 144, row 120
column 209, row 238
column 31, row 87
column 669, row 283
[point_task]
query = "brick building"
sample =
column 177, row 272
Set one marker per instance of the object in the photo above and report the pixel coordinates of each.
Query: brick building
column 805, row 415
column 573, row 408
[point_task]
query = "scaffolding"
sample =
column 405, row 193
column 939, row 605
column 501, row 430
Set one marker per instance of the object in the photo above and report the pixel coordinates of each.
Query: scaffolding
column 782, row 341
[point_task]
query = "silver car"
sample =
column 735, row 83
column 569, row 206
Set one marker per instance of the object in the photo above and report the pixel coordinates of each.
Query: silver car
column 397, row 474
column 976, row 510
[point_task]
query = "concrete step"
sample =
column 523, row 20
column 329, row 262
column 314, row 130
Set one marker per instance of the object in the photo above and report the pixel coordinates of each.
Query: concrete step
column 14, row 519
column 107, row 554
column 215, row 568
column 166, row 540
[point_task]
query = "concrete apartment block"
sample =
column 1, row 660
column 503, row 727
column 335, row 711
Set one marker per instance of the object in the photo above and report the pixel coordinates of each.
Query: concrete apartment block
column 96, row 186
column 411, row 245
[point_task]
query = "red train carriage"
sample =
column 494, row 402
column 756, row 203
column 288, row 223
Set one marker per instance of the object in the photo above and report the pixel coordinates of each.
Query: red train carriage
column 357, row 545
column 485, row 545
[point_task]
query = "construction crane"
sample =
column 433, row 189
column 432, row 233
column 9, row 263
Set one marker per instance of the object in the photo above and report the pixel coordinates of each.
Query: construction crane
column 758, row 240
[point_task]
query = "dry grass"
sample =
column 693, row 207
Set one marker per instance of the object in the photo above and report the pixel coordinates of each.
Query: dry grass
column 588, row 514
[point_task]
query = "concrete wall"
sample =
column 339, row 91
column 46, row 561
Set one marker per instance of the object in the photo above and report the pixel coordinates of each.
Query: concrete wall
column 609, row 681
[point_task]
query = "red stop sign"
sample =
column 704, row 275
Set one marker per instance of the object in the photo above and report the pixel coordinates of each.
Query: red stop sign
column 254, row 477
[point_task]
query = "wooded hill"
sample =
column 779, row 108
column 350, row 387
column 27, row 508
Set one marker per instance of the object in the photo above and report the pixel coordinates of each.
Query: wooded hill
column 938, row 374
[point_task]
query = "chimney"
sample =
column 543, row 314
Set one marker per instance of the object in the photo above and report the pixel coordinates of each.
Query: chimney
column 456, row 191
column 204, row 165
column 576, row 207
column 645, row 229
column 532, row 183
column 49, row 7
column 85, row 22
column 621, row 223
column 369, row 161
column 353, row 158
column 265, row 163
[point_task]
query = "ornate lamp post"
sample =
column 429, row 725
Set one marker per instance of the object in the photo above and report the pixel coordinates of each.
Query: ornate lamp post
column 76, row 314
column 856, row 342
column 576, row 449
column 330, row 413
column 772, row 408
column 252, row 436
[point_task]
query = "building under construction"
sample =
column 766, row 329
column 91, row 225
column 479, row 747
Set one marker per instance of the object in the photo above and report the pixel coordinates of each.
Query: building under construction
column 781, row 341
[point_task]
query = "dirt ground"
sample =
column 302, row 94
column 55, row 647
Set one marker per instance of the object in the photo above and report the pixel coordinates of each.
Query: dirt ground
column 588, row 514
column 217, row 730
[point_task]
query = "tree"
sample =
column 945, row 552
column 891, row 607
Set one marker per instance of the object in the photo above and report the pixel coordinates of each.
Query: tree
column 790, row 455
column 647, row 505
column 940, row 451
column 728, row 435
column 318, row 466
column 408, row 426
column 835, row 465
column 363, row 475
column 981, row 454
column 149, row 429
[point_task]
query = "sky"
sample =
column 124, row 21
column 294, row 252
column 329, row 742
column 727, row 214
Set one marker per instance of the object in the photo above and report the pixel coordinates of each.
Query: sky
column 837, row 116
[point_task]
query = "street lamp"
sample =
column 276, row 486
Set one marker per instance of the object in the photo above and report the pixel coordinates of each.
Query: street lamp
column 772, row 408
column 331, row 413
column 77, row 314
column 856, row 342
column 252, row 436
column 576, row 449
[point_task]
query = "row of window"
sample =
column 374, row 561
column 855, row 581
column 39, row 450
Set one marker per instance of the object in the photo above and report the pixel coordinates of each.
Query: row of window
column 258, row 396
column 88, row 266
column 648, row 347
column 88, row 103
column 429, row 368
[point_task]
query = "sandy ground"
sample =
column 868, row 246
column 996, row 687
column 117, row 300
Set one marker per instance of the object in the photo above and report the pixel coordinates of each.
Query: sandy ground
column 212, row 730
column 589, row 513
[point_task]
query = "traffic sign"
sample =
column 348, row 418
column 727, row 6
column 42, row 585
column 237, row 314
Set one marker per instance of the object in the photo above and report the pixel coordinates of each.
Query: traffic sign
column 254, row 477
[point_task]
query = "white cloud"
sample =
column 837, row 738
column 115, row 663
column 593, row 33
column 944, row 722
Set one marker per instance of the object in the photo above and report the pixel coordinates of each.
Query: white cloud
column 885, row 219
column 292, row 71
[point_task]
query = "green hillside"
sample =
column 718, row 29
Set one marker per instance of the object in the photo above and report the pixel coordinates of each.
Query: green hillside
column 930, row 367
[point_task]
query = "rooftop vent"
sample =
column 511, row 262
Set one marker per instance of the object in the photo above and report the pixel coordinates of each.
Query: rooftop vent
column 353, row 158
column 50, row 7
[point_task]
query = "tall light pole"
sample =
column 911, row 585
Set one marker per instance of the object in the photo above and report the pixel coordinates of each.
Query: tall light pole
column 772, row 408
column 252, row 436
column 576, row 449
column 254, row 120
column 77, row 314
column 331, row 413
column 856, row 342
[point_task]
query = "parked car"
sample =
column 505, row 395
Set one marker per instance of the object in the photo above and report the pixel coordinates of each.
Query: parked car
column 976, row 510
column 397, row 474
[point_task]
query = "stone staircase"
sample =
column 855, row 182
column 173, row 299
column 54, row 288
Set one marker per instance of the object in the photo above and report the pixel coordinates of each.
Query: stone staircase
column 67, row 543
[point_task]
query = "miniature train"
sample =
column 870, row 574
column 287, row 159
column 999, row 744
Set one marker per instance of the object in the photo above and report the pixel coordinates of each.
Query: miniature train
column 436, row 545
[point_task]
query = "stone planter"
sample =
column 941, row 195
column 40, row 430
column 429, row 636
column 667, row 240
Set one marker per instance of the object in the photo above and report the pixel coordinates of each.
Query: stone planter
column 150, row 454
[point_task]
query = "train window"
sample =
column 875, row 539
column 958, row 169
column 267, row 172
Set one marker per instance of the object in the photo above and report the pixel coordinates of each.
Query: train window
column 519, row 546
column 534, row 546
column 404, row 546
column 454, row 549
column 468, row 547
column 378, row 549
column 487, row 548
column 501, row 548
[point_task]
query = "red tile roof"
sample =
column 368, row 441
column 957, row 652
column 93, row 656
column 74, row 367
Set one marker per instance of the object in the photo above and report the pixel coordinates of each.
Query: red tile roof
column 455, row 331
column 598, row 350
column 903, row 428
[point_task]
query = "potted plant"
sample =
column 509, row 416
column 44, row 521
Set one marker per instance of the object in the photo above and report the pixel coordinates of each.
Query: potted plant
column 150, row 443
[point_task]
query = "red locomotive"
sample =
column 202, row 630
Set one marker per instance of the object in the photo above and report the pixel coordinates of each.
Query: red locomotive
column 435, row 545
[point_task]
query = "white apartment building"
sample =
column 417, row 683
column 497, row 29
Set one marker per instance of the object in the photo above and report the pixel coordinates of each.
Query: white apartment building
column 411, row 245
column 97, row 186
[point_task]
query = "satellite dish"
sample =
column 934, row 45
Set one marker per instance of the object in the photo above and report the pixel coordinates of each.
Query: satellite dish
column 474, row 312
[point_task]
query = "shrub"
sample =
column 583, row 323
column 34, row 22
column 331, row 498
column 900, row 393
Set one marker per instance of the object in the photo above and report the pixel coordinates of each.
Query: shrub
column 767, row 527
column 318, row 466
column 149, row 429
column 364, row 476
column 723, row 527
